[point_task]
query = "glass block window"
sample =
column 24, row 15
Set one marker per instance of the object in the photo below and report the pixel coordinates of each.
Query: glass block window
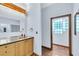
column 77, row 23
column 60, row 25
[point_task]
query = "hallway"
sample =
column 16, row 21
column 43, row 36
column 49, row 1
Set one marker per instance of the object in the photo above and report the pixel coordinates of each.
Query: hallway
column 57, row 51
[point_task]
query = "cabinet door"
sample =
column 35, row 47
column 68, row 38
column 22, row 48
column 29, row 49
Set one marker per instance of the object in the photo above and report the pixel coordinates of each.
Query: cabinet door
column 2, row 51
column 29, row 47
column 10, row 50
column 20, row 48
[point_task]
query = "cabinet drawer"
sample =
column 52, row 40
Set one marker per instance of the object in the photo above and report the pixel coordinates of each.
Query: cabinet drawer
column 7, row 50
column 2, row 50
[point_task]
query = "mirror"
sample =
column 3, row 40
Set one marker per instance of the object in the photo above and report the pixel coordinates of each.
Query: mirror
column 9, row 27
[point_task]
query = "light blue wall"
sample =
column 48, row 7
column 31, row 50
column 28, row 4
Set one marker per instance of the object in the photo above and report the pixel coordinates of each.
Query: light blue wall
column 34, row 22
column 52, row 11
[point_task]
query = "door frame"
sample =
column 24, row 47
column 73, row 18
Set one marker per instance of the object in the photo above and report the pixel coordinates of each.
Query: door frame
column 70, row 32
column 77, row 13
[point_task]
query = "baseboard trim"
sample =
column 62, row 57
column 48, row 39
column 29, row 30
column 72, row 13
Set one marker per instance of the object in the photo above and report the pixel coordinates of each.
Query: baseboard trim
column 61, row 45
column 46, row 47
column 71, row 54
column 34, row 54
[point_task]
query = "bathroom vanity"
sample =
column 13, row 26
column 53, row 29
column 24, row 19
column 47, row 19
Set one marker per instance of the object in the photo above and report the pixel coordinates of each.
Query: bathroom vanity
column 16, row 46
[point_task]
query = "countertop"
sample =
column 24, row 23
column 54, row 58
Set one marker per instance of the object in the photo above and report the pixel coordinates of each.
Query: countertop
column 12, row 39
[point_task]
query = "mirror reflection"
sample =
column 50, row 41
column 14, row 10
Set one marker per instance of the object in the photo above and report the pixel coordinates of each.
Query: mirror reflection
column 9, row 28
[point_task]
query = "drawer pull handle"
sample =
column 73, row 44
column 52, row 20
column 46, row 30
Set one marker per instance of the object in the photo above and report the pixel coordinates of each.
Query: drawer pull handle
column 5, row 51
column 5, row 46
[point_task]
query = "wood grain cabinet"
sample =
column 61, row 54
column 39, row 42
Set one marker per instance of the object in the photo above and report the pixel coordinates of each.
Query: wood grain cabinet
column 2, row 51
column 10, row 50
column 29, row 47
column 20, row 48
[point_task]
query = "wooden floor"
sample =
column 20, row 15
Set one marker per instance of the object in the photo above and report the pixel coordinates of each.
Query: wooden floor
column 57, row 51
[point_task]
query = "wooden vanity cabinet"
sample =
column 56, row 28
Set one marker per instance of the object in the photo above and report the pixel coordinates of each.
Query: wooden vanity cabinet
column 20, row 48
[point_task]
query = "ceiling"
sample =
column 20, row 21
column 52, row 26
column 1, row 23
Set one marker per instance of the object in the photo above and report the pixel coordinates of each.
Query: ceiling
column 44, row 5
column 25, row 6
column 22, row 5
column 9, row 13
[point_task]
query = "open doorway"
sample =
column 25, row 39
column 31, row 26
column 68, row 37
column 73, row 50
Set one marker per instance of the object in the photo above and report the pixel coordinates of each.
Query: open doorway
column 61, row 35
